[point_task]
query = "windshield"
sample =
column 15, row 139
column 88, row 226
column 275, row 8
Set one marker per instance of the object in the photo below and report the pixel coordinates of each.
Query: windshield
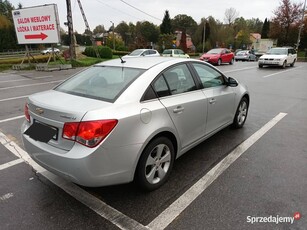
column 136, row 53
column 278, row 51
column 104, row 83
column 214, row 51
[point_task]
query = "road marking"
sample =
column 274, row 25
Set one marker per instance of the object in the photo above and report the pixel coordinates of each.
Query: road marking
column 6, row 196
column 28, row 79
column 12, row 119
column 13, row 98
column 114, row 216
column 235, row 70
column 282, row 72
column 178, row 206
column 20, row 86
column 11, row 163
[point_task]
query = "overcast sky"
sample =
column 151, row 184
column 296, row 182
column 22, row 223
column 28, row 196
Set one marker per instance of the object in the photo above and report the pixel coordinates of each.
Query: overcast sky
column 103, row 11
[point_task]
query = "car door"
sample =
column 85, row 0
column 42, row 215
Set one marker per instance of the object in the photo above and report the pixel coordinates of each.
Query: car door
column 186, row 105
column 291, row 56
column 220, row 97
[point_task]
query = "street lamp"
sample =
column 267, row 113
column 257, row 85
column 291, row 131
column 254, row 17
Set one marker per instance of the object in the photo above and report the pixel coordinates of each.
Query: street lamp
column 113, row 35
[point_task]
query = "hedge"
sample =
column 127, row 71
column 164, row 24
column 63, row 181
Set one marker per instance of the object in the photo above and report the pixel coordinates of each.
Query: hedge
column 104, row 52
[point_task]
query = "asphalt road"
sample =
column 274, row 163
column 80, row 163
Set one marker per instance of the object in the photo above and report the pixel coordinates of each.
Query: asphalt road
column 255, row 174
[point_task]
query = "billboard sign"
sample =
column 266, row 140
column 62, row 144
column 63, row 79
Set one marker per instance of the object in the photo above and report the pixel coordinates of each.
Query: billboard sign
column 35, row 25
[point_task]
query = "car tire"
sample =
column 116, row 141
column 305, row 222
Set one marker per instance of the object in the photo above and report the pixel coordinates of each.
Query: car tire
column 219, row 62
column 284, row 64
column 292, row 64
column 155, row 164
column 231, row 62
column 260, row 66
column 241, row 113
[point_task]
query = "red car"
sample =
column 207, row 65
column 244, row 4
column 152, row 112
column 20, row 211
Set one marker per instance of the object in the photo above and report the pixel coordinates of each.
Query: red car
column 218, row 56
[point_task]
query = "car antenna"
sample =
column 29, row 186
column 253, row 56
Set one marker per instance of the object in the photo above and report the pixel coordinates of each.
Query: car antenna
column 122, row 61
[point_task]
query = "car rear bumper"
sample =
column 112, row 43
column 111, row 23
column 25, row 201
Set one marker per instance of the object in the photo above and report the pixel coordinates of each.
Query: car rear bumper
column 92, row 167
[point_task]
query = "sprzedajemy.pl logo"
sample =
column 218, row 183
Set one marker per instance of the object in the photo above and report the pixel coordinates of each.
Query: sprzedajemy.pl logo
column 273, row 219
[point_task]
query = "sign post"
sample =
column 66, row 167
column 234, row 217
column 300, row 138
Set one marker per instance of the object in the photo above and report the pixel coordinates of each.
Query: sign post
column 37, row 25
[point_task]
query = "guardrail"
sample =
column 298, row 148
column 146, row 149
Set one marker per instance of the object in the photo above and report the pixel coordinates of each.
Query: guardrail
column 18, row 52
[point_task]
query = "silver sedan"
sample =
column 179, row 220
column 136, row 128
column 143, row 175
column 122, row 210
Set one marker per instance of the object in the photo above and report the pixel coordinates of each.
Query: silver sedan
column 125, row 120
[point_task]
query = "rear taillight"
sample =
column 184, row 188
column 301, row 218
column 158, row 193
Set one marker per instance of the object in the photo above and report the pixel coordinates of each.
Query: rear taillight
column 27, row 114
column 88, row 133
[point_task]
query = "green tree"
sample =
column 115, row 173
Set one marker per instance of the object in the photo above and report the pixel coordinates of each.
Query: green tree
column 166, row 26
column 265, row 29
column 165, row 41
column 254, row 25
column 99, row 29
column 6, row 9
column 123, row 29
column 7, row 32
column 284, row 25
column 184, row 23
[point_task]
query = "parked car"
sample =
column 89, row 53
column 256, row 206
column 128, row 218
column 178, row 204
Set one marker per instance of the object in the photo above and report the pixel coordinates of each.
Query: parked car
column 218, row 56
column 143, row 53
column 245, row 55
column 278, row 56
column 178, row 53
column 49, row 50
column 116, row 121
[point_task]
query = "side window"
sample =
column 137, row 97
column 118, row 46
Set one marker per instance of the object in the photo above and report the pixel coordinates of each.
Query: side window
column 146, row 53
column 209, row 77
column 152, row 52
column 176, row 52
column 180, row 52
column 161, row 87
column 179, row 79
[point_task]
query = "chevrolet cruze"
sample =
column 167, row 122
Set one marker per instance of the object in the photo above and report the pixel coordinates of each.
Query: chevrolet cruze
column 124, row 120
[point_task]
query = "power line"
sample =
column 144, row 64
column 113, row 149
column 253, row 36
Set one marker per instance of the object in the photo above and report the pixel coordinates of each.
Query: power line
column 118, row 10
column 140, row 10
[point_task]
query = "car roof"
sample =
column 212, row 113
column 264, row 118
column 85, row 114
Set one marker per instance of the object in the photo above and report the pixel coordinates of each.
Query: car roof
column 139, row 62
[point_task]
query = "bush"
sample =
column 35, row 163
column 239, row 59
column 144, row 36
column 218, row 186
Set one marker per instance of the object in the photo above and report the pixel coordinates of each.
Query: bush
column 104, row 52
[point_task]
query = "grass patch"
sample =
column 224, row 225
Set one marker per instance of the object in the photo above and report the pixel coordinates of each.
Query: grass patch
column 6, row 64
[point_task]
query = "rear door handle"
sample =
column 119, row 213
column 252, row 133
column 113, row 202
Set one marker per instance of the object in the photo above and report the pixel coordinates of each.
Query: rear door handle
column 179, row 109
column 212, row 101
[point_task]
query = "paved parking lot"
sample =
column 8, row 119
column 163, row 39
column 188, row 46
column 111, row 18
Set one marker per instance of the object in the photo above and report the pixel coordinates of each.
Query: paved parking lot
column 238, row 179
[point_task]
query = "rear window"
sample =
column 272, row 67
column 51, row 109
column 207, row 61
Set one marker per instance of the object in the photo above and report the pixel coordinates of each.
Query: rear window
column 100, row 82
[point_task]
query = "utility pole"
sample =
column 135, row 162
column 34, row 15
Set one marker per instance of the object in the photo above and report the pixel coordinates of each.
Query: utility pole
column 88, row 28
column 300, row 27
column 113, row 35
column 72, row 50
column 204, row 34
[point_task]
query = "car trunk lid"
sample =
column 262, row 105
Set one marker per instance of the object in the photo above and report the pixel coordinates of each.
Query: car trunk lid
column 53, row 109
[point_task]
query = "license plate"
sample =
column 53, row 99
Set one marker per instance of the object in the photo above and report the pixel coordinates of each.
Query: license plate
column 42, row 132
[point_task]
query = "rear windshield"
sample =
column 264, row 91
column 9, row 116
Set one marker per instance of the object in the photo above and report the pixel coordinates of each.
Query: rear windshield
column 100, row 82
column 136, row 53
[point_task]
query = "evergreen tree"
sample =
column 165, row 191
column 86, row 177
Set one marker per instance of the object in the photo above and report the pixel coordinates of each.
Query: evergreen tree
column 166, row 26
column 265, row 29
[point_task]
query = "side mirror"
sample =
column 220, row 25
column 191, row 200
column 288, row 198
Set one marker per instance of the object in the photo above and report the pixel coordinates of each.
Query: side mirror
column 232, row 82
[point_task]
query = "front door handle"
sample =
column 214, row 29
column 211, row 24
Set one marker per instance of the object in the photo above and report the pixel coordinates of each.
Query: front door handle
column 212, row 101
column 179, row 109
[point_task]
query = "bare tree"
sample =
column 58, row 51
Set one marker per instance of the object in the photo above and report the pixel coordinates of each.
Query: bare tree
column 230, row 15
